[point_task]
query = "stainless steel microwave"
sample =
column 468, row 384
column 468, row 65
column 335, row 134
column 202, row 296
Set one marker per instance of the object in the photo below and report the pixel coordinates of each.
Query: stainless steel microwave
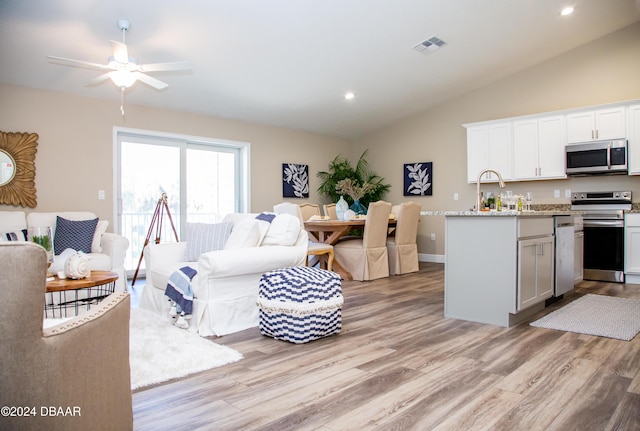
column 599, row 157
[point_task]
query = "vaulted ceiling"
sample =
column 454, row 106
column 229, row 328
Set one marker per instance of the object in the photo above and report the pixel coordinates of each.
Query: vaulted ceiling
column 288, row 63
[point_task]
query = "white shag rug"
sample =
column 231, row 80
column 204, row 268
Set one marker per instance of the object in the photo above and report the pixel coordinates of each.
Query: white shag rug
column 159, row 351
column 604, row 316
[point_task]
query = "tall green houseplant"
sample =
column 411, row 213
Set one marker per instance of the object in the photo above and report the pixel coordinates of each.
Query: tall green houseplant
column 341, row 168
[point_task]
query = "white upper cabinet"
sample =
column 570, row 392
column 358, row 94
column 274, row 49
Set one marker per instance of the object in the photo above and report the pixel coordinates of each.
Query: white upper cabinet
column 532, row 147
column 489, row 146
column 596, row 125
column 634, row 140
column 538, row 148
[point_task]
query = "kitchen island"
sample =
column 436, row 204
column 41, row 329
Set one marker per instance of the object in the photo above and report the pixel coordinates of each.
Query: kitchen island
column 499, row 266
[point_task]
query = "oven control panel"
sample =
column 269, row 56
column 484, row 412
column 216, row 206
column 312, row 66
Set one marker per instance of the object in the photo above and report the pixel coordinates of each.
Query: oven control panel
column 617, row 197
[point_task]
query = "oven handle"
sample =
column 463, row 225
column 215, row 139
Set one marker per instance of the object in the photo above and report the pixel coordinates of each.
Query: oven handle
column 603, row 223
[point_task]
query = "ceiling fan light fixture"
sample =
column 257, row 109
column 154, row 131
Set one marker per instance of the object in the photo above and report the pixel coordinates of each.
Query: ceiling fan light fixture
column 123, row 78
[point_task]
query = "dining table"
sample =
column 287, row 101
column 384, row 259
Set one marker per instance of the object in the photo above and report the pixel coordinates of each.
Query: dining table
column 330, row 231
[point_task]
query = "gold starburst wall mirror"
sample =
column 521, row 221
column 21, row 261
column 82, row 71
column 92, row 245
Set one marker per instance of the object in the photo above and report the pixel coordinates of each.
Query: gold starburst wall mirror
column 18, row 168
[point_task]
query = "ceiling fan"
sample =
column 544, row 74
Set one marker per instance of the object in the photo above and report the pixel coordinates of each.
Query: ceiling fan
column 123, row 70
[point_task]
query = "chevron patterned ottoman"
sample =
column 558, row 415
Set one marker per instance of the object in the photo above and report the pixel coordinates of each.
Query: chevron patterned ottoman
column 300, row 304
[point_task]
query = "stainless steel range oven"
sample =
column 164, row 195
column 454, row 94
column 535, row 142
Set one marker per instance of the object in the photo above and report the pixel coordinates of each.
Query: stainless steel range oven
column 603, row 233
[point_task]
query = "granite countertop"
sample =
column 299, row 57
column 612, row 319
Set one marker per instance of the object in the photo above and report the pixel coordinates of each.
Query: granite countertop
column 536, row 213
column 540, row 210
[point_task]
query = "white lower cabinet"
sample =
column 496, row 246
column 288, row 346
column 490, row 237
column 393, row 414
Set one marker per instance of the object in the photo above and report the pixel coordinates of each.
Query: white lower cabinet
column 632, row 248
column 535, row 271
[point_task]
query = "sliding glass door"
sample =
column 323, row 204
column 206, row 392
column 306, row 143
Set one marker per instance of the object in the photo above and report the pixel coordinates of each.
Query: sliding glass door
column 168, row 180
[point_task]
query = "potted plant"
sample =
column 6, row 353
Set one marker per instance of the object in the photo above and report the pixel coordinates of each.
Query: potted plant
column 361, row 178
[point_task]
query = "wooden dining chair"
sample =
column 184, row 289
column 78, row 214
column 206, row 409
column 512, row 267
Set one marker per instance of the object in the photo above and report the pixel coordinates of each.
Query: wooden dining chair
column 330, row 211
column 402, row 247
column 319, row 249
column 366, row 258
column 309, row 210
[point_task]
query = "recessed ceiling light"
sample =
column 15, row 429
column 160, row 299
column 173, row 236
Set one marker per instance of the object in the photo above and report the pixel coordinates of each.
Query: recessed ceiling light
column 567, row 11
column 349, row 96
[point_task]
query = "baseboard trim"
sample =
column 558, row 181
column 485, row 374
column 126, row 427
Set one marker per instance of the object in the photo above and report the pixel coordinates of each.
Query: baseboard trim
column 436, row 258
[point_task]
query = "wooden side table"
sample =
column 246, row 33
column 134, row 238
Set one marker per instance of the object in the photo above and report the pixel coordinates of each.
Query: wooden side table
column 66, row 297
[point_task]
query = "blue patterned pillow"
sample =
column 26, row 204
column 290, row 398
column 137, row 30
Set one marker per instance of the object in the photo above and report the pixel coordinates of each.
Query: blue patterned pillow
column 77, row 235
column 204, row 237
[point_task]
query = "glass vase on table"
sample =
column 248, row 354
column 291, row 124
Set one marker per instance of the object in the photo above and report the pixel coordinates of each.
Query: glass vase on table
column 42, row 235
column 341, row 207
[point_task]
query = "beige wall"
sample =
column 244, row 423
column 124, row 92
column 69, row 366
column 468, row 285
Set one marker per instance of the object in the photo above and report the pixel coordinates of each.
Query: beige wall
column 605, row 71
column 75, row 147
column 74, row 158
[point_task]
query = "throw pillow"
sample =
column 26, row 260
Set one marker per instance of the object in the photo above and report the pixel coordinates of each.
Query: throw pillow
column 284, row 230
column 245, row 233
column 14, row 236
column 264, row 222
column 204, row 237
column 268, row 217
column 101, row 228
column 77, row 235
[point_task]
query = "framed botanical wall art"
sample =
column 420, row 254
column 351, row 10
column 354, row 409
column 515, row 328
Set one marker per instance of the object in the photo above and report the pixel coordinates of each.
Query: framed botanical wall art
column 418, row 179
column 295, row 180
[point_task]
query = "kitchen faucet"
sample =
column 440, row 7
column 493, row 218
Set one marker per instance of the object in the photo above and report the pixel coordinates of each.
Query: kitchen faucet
column 482, row 172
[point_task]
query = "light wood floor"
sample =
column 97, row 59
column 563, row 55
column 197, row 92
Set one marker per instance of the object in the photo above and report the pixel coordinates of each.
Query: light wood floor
column 399, row 364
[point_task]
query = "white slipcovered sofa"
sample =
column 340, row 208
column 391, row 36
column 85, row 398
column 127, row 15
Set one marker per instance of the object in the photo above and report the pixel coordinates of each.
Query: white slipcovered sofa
column 225, row 287
column 107, row 249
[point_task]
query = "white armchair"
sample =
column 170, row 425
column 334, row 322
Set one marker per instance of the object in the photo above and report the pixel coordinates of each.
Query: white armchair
column 226, row 285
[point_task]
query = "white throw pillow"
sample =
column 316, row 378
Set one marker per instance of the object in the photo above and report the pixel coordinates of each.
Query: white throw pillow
column 205, row 237
column 245, row 233
column 101, row 228
column 284, row 230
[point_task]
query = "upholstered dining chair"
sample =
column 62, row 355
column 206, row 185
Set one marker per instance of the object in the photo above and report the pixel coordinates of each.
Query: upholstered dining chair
column 309, row 210
column 330, row 211
column 79, row 368
column 319, row 249
column 366, row 258
column 402, row 246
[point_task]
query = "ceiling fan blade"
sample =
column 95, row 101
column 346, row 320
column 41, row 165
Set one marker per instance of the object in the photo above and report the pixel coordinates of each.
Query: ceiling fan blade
column 77, row 63
column 98, row 79
column 160, row 67
column 120, row 52
column 149, row 80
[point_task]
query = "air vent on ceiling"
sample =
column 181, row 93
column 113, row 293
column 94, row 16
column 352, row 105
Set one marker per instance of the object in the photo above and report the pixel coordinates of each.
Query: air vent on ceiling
column 430, row 45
